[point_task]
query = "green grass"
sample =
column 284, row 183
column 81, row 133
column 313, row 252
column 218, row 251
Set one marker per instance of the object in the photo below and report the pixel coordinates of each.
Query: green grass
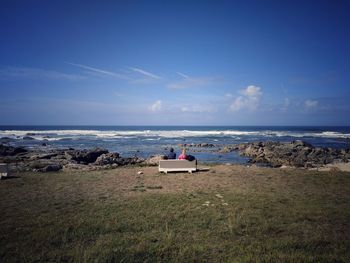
column 51, row 218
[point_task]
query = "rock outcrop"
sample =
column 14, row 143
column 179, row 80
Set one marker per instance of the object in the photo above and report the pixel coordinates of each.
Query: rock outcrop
column 86, row 156
column 275, row 154
column 42, row 160
column 11, row 151
column 107, row 158
column 295, row 153
column 114, row 160
column 154, row 159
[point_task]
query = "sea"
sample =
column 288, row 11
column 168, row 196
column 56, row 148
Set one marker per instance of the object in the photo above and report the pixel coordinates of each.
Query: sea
column 144, row 141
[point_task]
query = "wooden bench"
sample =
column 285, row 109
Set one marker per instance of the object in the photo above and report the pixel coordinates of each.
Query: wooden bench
column 4, row 170
column 177, row 166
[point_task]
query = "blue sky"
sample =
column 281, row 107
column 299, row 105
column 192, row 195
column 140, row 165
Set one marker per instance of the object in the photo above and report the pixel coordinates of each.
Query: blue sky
column 175, row 63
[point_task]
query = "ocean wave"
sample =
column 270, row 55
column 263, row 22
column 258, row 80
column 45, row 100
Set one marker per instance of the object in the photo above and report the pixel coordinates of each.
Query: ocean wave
column 115, row 134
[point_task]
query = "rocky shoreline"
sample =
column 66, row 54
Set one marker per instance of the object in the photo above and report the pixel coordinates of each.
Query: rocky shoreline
column 295, row 154
column 274, row 154
column 21, row 159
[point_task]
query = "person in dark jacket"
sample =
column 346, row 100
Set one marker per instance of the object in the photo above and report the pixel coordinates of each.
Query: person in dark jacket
column 171, row 154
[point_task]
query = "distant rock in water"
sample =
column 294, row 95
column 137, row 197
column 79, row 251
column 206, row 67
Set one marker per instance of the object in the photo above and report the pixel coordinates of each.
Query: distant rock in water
column 198, row 145
column 295, row 153
column 6, row 139
column 28, row 138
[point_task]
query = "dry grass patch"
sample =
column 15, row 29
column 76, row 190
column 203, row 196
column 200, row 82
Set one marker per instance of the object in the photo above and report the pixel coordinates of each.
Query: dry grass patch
column 229, row 213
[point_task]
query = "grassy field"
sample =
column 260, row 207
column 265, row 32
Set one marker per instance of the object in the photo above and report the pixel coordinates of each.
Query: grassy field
column 226, row 214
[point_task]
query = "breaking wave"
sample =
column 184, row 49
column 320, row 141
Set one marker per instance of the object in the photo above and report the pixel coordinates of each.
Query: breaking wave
column 52, row 135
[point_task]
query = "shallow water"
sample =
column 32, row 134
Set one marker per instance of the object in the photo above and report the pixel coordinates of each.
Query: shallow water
column 148, row 140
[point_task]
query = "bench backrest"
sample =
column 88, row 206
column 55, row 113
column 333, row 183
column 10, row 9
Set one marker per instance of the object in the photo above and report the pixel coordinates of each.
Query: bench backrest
column 174, row 164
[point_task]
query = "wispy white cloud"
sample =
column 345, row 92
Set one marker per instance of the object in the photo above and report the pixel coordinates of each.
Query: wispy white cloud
column 24, row 72
column 190, row 82
column 145, row 73
column 310, row 104
column 183, row 75
column 249, row 100
column 99, row 71
column 156, row 106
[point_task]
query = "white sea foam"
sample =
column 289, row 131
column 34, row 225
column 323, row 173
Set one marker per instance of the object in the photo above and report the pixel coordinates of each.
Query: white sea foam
column 52, row 135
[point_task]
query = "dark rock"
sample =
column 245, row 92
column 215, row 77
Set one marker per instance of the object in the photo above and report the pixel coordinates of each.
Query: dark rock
column 107, row 158
column 296, row 153
column 130, row 160
column 44, row 144
column 11, row 151
column 43, row 156
column 227, row 149
column 85, row 156
column 50, row 168
column 28, row 138
column 5, row 139
column 199, row 145
column 299, row 143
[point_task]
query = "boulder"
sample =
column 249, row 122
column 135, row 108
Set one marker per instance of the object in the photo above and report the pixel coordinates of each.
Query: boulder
column 295, row 153
column 129, row 161
column 199, row 145
column 43, row 156
column 28, row 138
column 154, row 159
column 300, row 143
column 226, row 149
column 11, row 151
column 5, row 139
column 85, row 156
column 50, row 168
column 107, row 158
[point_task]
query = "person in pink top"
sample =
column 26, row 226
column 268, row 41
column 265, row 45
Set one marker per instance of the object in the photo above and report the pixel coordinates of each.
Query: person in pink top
column 183, row 155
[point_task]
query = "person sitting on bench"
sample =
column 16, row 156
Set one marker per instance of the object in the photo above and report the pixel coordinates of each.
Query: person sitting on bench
column 171, row 155
column 184, row 156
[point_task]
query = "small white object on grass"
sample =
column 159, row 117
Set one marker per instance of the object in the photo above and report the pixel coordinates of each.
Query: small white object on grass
column 139, row 172
column 219, row 196
column 3, row 170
